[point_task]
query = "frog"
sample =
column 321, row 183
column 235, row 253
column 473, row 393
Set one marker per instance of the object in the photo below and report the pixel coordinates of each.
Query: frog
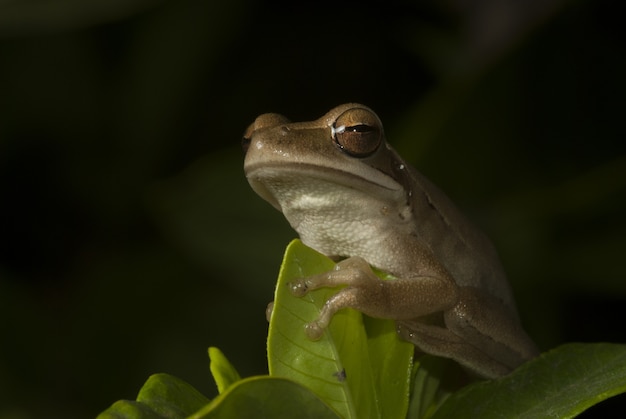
column 349, row 195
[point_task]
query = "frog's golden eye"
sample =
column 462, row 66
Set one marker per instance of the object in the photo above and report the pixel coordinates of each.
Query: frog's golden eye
column 358, row 132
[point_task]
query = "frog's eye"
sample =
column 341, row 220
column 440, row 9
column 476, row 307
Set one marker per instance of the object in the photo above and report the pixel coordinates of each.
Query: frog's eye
column 358, row 132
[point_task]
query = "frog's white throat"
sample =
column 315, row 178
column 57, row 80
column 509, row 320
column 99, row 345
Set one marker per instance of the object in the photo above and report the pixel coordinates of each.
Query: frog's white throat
column 334, row 215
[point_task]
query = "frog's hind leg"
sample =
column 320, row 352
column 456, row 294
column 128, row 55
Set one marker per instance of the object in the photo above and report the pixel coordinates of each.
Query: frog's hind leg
column 439, row 341
column 476, row 333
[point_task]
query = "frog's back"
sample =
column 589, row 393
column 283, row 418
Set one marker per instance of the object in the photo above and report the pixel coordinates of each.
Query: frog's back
column 463, row 249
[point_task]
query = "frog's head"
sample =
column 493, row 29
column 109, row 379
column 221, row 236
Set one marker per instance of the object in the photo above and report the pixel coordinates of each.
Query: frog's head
column 307, row 163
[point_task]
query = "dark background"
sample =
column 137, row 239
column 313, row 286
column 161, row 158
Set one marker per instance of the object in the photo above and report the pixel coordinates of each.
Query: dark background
column 130, row 240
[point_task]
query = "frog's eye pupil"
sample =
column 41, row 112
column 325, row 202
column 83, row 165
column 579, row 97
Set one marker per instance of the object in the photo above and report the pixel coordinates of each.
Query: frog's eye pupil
column 360, row 135
column 360, row 128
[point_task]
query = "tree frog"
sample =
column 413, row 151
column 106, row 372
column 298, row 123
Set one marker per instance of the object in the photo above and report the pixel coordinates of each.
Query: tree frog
column 350, row 196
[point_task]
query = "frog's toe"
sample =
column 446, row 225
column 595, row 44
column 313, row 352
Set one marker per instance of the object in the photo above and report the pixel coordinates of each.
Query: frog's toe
column 314, row 330
column 298, row 287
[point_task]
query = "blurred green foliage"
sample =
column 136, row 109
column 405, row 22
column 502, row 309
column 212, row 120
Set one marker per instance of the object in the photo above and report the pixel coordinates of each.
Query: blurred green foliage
column 130, row 241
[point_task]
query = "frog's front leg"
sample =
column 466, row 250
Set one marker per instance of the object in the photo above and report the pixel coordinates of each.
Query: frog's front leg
column 393, row 299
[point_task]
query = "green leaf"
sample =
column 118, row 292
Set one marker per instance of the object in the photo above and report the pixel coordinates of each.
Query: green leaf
column 162, row 396
column 266, row 397
column 123, row 409
column 433, row 380
column 561, row 383
column 391, row 362
column 359, row 372
column 223, row 371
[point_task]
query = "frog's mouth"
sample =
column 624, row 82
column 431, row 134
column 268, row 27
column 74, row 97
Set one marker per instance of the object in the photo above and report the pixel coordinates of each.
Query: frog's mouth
column 309, row 187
